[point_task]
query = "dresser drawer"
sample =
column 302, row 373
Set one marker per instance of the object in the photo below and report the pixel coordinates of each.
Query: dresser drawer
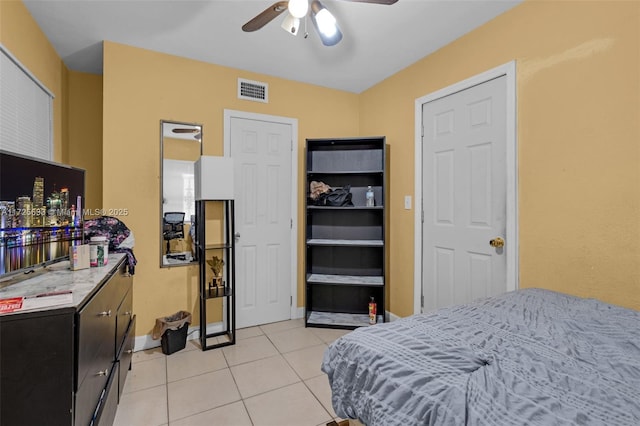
column 123, row 319
column 126, row 354
column 121, row 283
column 96, row 328
column 108, row 404
column 90, row 390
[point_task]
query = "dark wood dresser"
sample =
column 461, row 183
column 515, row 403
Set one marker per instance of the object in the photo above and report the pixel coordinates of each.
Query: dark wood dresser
column 67, row 364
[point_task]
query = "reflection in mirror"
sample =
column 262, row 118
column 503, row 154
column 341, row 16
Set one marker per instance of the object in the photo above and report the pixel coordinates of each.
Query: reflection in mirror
column 180, row 147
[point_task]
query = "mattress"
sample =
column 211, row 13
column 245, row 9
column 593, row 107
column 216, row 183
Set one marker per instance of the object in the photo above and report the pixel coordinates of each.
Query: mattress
column 529, row 357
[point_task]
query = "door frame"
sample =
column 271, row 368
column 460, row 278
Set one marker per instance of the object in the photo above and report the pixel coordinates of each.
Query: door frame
column 229, row 114
column 512, row 256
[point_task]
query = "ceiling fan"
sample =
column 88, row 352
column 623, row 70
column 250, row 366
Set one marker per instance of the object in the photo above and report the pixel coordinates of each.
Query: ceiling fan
column 323, row 21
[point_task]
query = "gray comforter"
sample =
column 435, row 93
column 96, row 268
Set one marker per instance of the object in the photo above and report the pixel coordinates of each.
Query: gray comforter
column 530, row 357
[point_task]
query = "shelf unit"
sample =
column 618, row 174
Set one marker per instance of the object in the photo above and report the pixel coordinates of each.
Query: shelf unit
column 345, row 246
column 226, row 293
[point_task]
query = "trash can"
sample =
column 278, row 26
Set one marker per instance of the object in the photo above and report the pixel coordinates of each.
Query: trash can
column 172, row 331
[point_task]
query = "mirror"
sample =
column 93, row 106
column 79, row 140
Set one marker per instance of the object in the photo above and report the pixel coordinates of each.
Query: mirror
column 180, row 147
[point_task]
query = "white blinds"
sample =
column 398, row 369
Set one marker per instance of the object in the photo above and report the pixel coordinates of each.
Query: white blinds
column 26, row 111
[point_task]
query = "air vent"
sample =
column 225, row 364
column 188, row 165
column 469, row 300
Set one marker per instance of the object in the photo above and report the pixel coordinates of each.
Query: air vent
column 253, row 90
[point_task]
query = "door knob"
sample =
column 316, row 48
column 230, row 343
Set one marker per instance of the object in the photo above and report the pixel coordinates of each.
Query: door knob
column 497, row 242
column 237, row 235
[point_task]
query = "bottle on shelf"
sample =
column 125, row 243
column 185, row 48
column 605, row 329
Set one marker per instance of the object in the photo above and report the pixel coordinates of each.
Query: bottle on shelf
column 373, row 311
column 369, row 197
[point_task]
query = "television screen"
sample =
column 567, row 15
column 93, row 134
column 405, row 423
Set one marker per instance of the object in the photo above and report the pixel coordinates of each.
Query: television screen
column 40, row 211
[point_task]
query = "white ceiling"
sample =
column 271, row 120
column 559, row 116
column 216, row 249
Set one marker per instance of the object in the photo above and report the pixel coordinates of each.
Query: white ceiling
column 379, row 40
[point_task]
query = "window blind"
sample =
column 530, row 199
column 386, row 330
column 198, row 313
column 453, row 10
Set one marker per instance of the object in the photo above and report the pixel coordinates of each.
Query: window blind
column 26, row 110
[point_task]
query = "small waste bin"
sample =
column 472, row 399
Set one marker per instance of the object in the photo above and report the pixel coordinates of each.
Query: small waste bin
column 173, row 331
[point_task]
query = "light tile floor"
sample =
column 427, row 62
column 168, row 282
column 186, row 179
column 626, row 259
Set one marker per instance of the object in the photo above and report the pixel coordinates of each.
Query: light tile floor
column 270, row 377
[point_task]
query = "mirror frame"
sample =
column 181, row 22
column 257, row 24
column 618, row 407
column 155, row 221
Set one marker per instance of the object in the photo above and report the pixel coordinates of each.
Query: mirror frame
column 161, row 184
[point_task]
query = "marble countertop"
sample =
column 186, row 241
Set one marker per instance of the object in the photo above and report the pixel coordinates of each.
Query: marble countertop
column 71, row 287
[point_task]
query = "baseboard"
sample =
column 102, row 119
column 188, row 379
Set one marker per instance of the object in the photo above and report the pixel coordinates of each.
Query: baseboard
column 142, row 343
column 297, row 313
column 392, row 317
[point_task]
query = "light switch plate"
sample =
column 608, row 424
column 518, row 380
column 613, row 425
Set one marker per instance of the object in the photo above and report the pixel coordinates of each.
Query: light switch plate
column 407, row 202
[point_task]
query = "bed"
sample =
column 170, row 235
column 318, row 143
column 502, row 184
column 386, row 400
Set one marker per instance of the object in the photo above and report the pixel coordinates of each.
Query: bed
column 529, row 357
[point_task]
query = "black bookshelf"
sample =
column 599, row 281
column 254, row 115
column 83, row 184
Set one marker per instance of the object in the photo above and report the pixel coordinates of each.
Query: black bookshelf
column 345, row 246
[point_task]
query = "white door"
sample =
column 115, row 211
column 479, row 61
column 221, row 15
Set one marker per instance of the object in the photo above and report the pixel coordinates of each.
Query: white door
column 464, row 195
column 261, row 151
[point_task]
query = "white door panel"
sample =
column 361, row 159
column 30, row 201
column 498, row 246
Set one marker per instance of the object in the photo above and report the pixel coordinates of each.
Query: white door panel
column 261, row 151
column 464, row 195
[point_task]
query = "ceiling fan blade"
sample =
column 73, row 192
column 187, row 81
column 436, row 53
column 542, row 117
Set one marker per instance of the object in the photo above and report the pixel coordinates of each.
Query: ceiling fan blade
column 185, row 130
column 385, row 2
column 266, row 16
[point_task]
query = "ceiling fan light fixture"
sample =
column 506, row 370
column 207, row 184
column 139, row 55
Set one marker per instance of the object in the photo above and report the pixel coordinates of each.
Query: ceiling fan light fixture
column 291, row 24
column 298, row 8
column 325, row 23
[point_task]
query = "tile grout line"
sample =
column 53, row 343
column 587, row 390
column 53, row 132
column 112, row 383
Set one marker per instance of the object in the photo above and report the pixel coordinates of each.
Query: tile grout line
column 166, row 384
column 244, row 405
column 322, row 341
column 307, row 386
column 281, row 354
column 211, row 409
column 296, row 373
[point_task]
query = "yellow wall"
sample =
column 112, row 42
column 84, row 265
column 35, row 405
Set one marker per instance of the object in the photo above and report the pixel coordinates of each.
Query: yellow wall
column 578, row 100
column 141, row 88
column 77, row 103
column 180, row 149
column 84, row 134
column 22, row 36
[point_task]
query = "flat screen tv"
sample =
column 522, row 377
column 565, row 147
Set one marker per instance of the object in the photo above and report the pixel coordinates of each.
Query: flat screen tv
column 40, row 212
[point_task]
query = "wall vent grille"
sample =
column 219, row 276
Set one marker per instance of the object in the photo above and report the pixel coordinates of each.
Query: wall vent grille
column 253, row 90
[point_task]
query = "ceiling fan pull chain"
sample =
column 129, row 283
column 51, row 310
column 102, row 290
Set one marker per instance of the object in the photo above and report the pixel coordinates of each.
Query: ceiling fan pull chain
column 306, row 33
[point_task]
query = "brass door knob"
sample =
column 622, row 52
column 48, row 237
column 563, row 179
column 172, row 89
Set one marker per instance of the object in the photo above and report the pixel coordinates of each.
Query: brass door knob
column 497, row 242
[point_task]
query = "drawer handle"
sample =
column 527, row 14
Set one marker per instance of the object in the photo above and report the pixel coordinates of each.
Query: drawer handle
column 105, row 313
column 103, row 373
